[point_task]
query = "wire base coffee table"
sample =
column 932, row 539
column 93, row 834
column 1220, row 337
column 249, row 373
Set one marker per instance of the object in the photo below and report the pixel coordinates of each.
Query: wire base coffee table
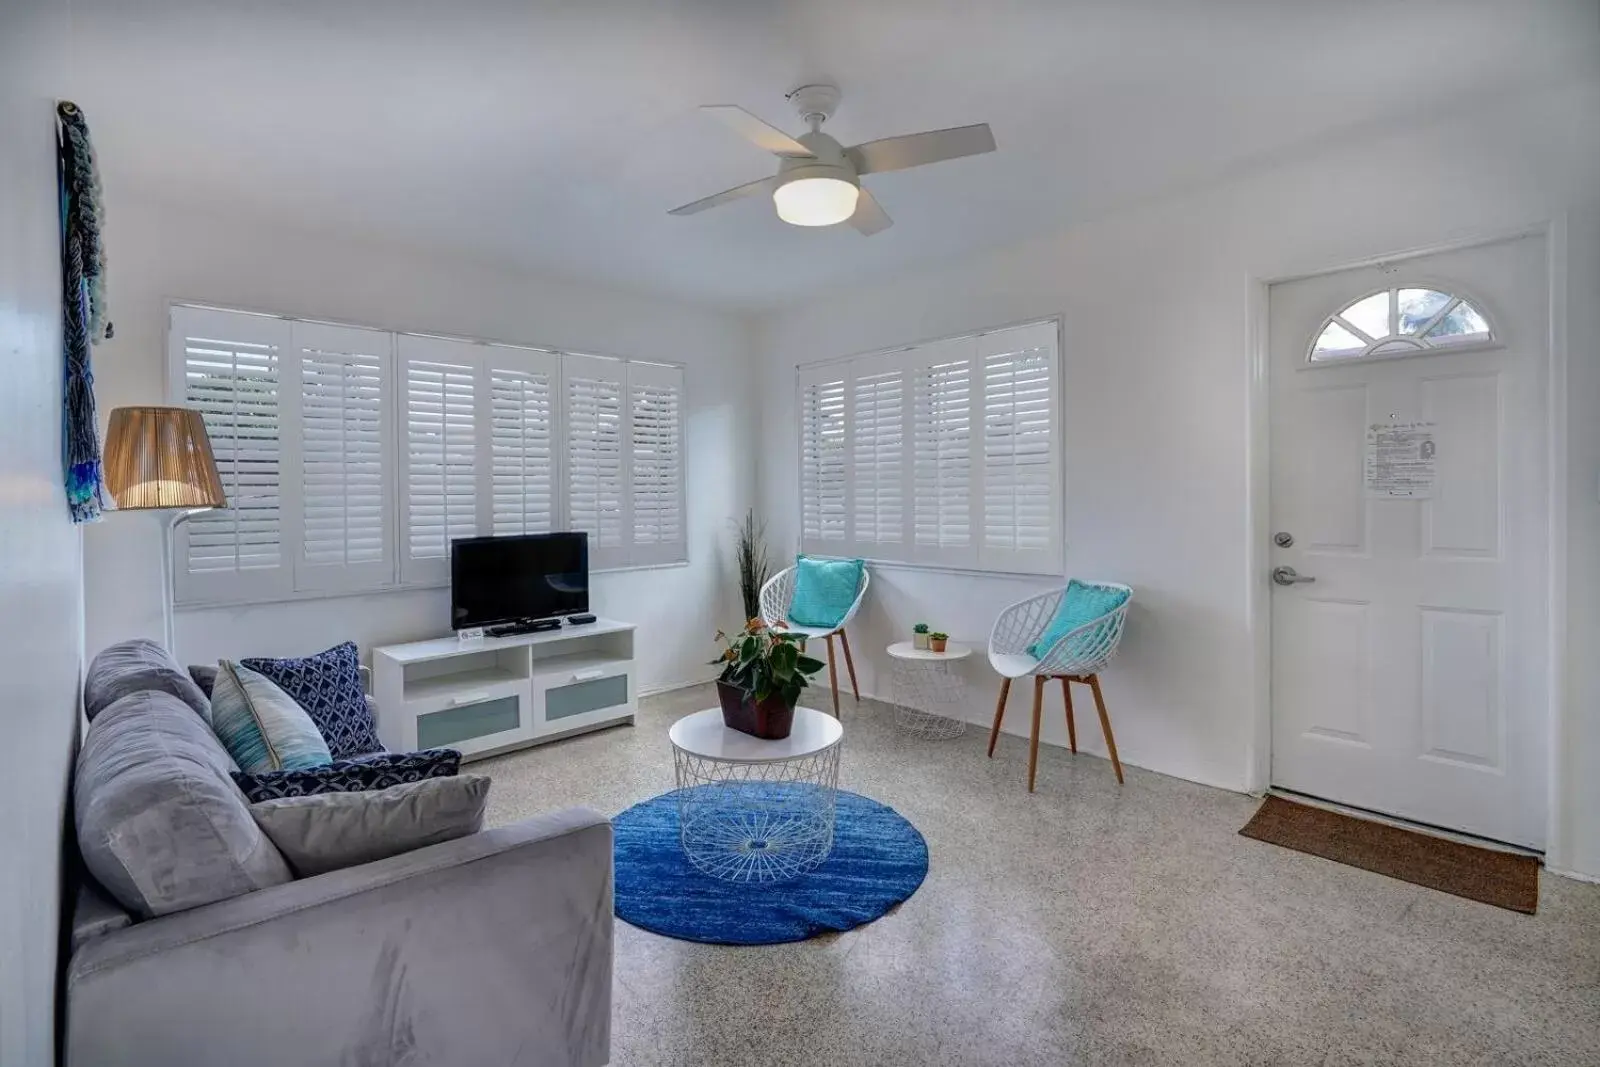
column 928, row 690
column 751, row 810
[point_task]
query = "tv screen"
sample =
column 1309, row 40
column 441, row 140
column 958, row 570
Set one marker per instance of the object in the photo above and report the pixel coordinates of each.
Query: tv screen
column 504, row 579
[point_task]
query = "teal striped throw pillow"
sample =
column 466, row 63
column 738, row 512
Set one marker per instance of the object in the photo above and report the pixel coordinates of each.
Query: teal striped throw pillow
column 261, row 726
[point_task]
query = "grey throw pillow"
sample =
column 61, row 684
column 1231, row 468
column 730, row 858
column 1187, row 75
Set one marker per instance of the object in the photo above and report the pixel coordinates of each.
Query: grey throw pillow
column 335, row 830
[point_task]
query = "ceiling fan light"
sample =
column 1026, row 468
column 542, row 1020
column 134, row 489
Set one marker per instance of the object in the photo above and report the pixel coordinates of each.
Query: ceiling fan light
column 815, row 201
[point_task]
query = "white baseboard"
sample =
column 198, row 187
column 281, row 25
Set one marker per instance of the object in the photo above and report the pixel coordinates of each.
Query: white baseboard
column 672, row 687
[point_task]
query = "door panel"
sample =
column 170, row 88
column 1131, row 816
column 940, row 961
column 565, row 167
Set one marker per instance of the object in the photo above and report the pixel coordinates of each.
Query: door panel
column 1411, row 676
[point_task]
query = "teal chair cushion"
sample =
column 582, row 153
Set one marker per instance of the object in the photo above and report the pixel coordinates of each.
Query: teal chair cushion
column 824, row 589
column 1082, row 604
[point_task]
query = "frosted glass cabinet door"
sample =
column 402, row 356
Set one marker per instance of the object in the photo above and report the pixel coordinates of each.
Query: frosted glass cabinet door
column 584, row 698
column 451, row 727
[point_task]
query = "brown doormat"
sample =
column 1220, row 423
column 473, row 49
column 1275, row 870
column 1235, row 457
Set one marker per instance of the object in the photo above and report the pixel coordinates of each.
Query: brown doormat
column 1504, row 879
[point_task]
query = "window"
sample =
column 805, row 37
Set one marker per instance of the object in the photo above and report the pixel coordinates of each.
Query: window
column 1401, row 321
column 352, row 457
column 945, row 454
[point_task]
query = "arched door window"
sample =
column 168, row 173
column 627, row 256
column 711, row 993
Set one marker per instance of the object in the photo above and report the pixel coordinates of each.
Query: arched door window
column 1404, row 320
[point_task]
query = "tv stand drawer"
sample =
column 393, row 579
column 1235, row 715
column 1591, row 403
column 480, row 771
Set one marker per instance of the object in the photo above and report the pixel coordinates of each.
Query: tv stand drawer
column 583, row 694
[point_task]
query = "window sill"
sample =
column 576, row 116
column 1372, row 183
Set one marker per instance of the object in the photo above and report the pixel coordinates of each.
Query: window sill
column 944, row 568
column 384, row 590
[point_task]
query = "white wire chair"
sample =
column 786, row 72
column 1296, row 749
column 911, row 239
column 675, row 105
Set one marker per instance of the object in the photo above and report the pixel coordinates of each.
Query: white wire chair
column 1078, row 656
column 776, row 596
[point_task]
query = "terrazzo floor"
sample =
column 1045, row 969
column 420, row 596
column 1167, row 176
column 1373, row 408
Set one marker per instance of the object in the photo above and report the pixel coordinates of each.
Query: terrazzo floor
column 1084, row 924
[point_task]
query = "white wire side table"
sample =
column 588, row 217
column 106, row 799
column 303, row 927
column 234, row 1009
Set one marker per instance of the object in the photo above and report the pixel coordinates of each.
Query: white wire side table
column 751, row 810
column 929, row 690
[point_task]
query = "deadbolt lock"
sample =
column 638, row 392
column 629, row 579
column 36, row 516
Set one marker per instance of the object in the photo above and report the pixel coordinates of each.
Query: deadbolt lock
column 1283, row 538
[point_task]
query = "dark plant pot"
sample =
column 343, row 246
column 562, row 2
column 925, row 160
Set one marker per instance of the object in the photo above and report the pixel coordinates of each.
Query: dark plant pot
column 770, row 719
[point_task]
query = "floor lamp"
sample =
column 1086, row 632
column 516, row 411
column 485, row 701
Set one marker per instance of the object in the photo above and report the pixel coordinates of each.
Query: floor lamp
column 159, row 459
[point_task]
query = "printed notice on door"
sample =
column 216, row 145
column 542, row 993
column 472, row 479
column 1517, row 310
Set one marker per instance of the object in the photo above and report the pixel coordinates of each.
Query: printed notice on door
column 1401, row 460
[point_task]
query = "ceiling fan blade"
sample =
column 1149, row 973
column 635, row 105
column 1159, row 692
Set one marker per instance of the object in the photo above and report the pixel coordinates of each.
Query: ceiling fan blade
column 870, row 217
column 754, row 130
column 915, row 149
column 738, row 192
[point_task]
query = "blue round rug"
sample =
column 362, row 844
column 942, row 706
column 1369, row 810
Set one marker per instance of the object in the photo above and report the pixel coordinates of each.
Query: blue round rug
column 878, row 860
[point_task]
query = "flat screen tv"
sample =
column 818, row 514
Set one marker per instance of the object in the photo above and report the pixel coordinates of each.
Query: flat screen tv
column 495, row 580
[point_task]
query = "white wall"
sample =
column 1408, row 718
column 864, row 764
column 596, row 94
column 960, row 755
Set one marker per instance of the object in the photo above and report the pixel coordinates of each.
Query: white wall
column 1158, row 322
column 41, row 576
column 164, row 253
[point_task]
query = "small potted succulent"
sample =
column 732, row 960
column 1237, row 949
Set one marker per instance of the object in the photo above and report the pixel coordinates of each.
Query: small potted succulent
column 919, row 636
column 763, row 671
column 936, row 642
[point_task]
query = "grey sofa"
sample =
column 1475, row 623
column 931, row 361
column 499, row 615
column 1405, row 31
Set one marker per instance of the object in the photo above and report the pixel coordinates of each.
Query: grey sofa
column 193, row 944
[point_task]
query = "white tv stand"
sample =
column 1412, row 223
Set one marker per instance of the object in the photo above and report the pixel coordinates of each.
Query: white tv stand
column 488, row 695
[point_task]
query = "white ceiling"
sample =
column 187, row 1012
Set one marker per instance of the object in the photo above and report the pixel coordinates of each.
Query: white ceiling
column 555, row 136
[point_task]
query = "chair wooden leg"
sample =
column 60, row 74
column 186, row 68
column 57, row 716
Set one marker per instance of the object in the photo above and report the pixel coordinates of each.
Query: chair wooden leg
column 1072, row 729
column 1033, row 745
column 850, row 664
column 833, row 677
column 999, row 713
column 1105, row 725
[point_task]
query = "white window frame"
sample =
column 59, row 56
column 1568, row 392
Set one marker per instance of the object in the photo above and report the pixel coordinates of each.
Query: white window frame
column 1394, row 345
column 975, row 348
column 295, row 579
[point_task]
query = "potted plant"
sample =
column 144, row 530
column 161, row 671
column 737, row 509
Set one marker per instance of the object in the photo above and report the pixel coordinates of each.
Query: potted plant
column 763, row 671
column 919, row 636
column 936, row 642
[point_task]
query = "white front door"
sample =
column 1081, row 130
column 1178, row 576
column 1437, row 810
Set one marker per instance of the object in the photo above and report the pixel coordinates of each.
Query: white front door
column 1409, row 479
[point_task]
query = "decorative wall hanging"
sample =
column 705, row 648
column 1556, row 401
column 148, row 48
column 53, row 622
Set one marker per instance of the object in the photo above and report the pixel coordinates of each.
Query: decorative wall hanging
column 83, row 307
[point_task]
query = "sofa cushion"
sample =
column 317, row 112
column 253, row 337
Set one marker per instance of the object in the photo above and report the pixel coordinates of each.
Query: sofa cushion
column 261, row 726
column 328, row 686
column 160, row 824
column 335, row 830
column 380, row 770
column 136, row 666
column 204, row 676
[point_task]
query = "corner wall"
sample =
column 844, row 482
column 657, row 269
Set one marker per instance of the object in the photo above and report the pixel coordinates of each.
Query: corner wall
column 165, row 253
column 1158, row 305
column 41, row 573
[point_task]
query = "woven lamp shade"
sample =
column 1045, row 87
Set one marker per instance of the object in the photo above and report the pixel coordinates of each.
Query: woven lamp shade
column 160, row 457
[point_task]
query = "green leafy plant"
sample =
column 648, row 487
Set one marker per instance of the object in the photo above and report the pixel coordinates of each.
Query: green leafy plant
column 750, row 556
column 763, row 662
column 920, row 628
column 938, row 637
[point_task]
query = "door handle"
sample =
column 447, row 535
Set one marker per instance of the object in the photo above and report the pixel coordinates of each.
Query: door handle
column 1288, row 576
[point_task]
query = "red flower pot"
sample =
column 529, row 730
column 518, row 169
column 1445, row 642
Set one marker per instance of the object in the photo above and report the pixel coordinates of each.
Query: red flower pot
column 770, row 719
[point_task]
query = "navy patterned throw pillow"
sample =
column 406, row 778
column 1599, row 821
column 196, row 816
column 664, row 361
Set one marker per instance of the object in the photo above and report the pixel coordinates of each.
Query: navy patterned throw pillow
column 328, row 686
column 378, row 771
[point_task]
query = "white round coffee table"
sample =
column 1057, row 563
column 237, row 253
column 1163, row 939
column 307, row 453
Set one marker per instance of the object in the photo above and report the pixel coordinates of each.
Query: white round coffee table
column 928, row 691
column 751, row 810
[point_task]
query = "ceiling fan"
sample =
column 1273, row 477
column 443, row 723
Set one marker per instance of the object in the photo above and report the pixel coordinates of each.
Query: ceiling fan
column 819, row 180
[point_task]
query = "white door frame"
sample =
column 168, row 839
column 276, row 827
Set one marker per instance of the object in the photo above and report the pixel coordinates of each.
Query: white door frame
column 1258, row 592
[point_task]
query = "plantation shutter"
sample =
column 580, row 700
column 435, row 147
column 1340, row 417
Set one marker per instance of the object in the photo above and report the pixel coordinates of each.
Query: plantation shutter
column 519, row 478
column 230, row 367
column 595, row 421
column 440, row 449
column 655, row 463
column 878, row 440
column 942, row 448
column 343, row 451
column 1020, row 468
column 824, row 470
column 944, row 453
